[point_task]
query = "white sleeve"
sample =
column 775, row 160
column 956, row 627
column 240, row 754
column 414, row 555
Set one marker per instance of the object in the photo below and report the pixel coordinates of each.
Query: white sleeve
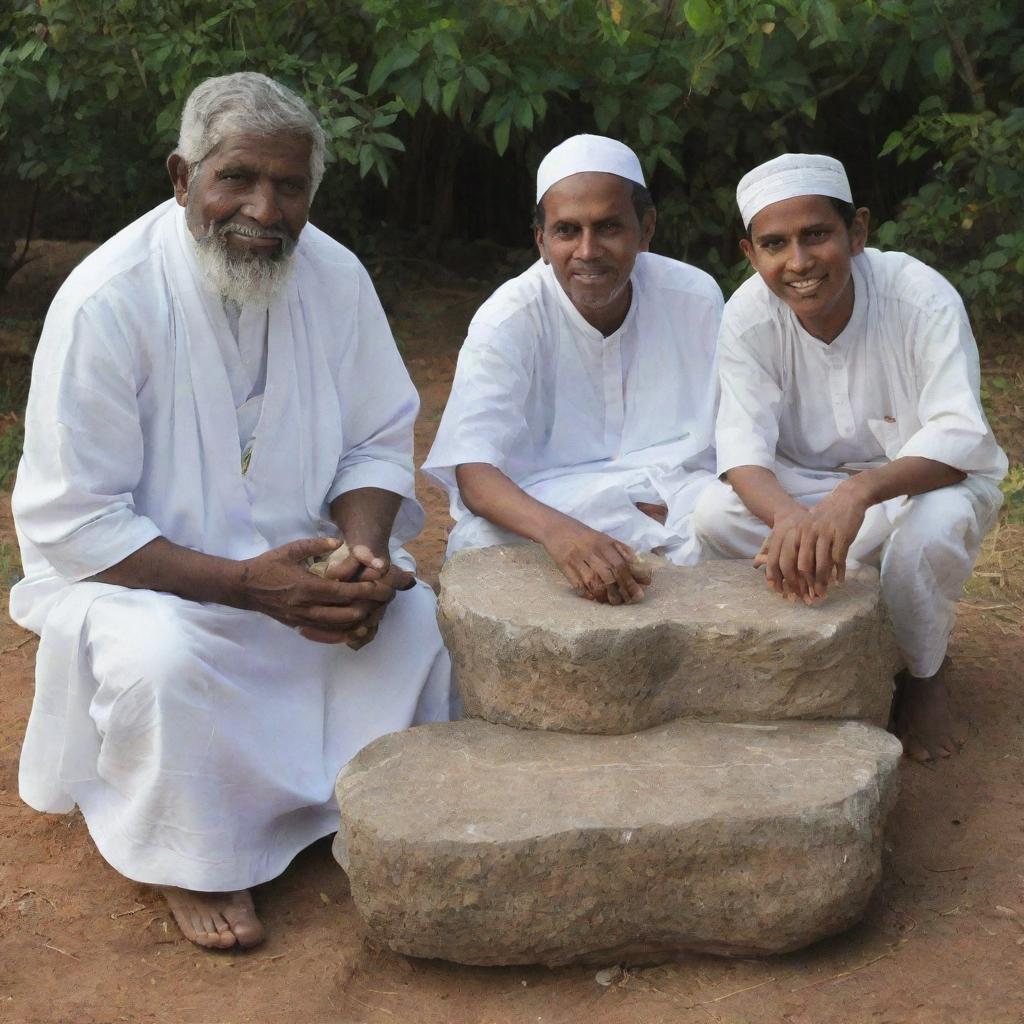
column 953, row 428
column 486, row 409
column 747, row 426
column 379, row 406
column 83, row 454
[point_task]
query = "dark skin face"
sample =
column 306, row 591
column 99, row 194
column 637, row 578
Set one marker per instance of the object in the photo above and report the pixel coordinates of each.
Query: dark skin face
column 248, row 183
column 591, row 236
column 803, row 252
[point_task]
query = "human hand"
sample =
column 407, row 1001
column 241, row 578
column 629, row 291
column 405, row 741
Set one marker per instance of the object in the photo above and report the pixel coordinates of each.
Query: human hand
column 327, row 610
column 363, row 565
column 807, row 547
column 599, row 567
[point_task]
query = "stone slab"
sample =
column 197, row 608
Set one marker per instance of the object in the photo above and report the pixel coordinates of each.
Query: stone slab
column 488, row 845
column 709, row 642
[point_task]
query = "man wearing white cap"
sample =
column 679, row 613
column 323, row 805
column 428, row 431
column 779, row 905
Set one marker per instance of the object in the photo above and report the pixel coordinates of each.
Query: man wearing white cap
column 581, row 416
column 850, row 426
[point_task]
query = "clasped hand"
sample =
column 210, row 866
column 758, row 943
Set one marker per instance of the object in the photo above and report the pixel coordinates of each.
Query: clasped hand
column 345, row 606
column 807, row 548
column 599, row 567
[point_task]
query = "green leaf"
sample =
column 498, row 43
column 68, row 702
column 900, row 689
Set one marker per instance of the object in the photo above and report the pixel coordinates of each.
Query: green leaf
column 341, row 126
column 699, row 15
column 449, row 94
column 894, row 139
column 431, row 90
column 389, row 141
column 365, row 160
column 524, row 114
column 995, row 261
column 942, row 63
column 396, row 59
column 477, row 79
column 501, row 133
column 52, row 83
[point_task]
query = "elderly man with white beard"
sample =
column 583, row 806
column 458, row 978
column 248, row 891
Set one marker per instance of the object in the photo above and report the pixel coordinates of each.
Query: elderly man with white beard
column 217, row 399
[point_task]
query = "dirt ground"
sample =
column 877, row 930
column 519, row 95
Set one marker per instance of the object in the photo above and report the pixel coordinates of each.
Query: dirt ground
column 943, row 939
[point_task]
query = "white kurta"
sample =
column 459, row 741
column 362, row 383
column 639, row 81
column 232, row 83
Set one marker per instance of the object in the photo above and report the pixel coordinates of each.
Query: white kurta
column 200, row 741
column 902, row 379
column 584, row 423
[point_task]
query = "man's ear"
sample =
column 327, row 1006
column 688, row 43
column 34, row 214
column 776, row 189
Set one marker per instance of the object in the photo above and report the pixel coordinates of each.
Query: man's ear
column 748, row 250
column 647, row 228
column 538, row 237
column 859, row 230
column 177, row 168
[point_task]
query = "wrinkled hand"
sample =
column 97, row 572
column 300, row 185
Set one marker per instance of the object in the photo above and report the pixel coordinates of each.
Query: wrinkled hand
column 327, row 610
column 364, row 566
column 599, row 567
column 806, row 549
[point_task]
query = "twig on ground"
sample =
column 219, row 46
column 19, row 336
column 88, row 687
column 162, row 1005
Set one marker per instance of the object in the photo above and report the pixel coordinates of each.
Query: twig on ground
column 946, row 871
column 21, row 643
column 844, row 974
column 57, row 949
column 128, row 913
column 739, row 991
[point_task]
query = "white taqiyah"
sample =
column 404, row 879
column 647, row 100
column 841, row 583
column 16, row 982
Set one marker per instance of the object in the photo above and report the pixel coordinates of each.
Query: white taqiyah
column 789, row 176
column 588, row 153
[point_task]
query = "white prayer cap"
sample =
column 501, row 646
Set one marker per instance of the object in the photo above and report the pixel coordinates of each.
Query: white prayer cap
column 789, row 176
column 588, row 153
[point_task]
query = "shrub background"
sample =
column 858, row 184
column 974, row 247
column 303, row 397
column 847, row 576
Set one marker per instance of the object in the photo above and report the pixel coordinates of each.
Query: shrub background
column 437, row 112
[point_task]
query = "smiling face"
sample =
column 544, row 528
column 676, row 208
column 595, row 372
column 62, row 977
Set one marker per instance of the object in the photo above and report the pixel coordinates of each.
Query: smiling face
column 591, row 236
column 802, row 249
column 246, row 204
column 253, row 189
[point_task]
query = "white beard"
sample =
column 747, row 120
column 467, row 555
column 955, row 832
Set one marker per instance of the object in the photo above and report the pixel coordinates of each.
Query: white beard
column 246, row 281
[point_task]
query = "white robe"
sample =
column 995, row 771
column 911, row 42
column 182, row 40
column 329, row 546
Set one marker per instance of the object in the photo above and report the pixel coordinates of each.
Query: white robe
column 200, row 741
column 584, row 423
column 902, row 379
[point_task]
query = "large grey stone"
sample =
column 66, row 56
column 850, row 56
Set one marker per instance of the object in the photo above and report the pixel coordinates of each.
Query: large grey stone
column 708, row 641
column 488, row 845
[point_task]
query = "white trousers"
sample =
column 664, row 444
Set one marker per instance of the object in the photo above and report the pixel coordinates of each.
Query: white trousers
column 606, row 501
column 207, row 740
column 924, row 548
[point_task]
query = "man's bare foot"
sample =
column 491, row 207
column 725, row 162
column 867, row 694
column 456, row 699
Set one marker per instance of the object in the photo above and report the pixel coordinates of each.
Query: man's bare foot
column 923, row 719
column 656, row 512
column 217, row 920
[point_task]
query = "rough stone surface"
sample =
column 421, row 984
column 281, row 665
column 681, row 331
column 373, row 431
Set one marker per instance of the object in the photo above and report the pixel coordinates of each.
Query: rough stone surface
column 489, row 845
column 708, row 641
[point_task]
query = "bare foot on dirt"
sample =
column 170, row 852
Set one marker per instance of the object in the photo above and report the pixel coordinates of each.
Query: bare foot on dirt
column 923, row 719
column 217, row 920
column 656, row 512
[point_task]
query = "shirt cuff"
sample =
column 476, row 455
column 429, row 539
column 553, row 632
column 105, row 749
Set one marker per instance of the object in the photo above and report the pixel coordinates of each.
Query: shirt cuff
column 388, row 476
column 444, row 472
column 962, row 449
column 100, row 544
column 743, row 453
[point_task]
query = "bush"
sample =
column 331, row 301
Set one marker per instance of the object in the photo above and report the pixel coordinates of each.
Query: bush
column 437, row 111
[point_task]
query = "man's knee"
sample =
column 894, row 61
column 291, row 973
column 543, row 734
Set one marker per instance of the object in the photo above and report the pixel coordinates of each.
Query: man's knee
column 722, row 520
column 943, row 520
column 140, row 642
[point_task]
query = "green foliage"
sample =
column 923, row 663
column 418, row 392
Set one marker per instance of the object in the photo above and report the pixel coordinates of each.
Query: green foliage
column 435, row 98
column 959, row 220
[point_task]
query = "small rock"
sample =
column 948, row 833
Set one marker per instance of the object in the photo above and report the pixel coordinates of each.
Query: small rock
column 319, row 564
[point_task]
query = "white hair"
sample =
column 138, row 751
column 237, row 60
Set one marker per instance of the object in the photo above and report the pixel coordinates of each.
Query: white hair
column 250, row 103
